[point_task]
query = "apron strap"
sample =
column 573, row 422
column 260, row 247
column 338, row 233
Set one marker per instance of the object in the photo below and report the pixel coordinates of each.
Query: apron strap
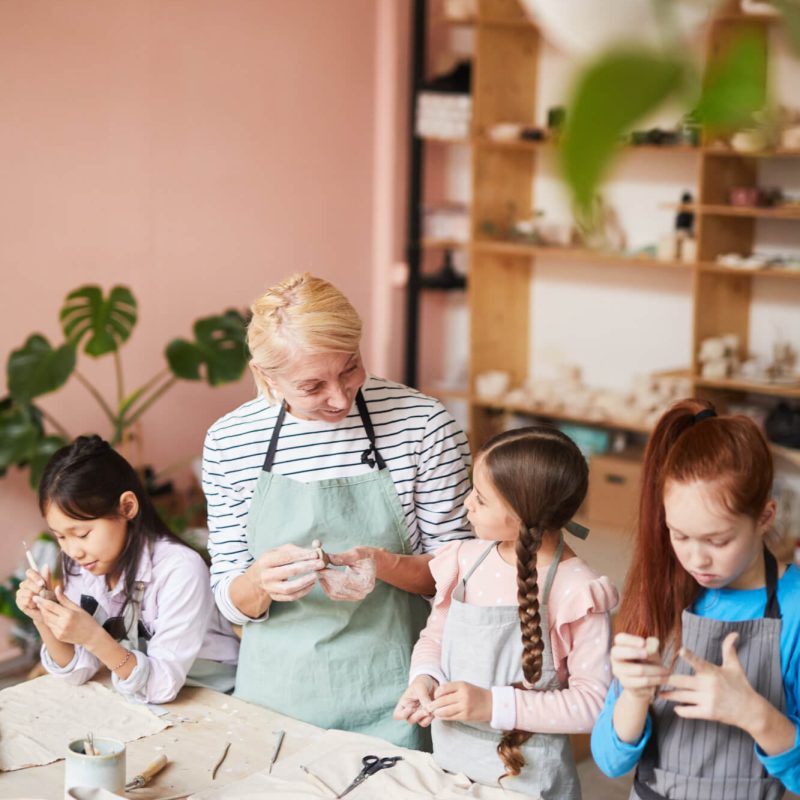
column 773, row 609
column 366, row 421
column 475, row 566
column 273, row 442
column 551, row 572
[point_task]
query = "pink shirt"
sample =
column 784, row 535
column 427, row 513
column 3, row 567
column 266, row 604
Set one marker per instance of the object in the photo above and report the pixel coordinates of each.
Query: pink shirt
column 178, row 612
column 580, row 634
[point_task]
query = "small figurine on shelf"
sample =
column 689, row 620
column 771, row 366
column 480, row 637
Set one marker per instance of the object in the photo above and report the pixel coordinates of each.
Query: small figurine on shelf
column 719, row 356
column 684, row 219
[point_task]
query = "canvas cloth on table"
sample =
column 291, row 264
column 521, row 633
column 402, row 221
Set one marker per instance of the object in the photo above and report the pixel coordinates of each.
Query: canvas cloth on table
column 39, row 718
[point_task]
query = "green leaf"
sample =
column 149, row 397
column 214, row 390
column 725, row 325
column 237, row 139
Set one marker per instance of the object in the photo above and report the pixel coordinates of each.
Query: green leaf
column 43, row 450
column 611, row 95
column 107, row 322
column 219, row 346
column 21, row 432
column 37, row 369
column 736, row 83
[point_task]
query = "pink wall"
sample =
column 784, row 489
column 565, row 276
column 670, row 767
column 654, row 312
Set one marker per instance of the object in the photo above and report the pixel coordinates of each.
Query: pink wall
column 196, row 151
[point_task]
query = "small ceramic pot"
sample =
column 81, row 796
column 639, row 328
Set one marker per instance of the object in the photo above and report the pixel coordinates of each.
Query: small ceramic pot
column 106, row 771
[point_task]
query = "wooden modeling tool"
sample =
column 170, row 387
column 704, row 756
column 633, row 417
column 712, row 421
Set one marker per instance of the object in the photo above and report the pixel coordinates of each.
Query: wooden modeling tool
column 88, row 745
column 317, row 545
column 276, row 749
column 219, row 761
column 146, row 775
column 318, row 782
column 45, row 593
column 651, row 645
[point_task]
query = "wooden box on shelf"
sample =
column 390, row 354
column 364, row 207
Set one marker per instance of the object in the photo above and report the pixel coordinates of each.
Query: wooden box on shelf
column 614, row 481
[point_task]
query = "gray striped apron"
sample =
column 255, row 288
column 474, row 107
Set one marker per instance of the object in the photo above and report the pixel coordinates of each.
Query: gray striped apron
column 688, row 759
column 482, row 645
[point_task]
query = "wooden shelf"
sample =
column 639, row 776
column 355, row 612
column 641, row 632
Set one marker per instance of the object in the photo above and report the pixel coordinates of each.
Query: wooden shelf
column 443, row 244
column 764, row 154
column 529, row 144
column 766, row 272
column 499, row 405
column 445, row 140
column 486, row 22
column 790, row 454
column 748, row 212
column 791, row 391
column 577, row 254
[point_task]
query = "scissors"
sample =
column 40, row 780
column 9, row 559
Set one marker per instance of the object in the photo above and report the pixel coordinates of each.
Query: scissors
column 372, row 764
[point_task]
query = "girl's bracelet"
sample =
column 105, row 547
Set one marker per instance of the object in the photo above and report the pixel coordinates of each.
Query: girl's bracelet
column 124, row 661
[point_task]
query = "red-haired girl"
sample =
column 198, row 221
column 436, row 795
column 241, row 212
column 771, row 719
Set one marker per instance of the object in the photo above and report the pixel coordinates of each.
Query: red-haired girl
column 515, row 653
column 711, row 709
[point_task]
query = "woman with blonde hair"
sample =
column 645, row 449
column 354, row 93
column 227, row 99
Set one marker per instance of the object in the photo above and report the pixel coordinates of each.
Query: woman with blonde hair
column 326, row 495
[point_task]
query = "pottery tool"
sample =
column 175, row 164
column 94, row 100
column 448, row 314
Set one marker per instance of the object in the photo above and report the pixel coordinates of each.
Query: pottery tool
column 146, row 775
column 318, row 782
column 276, row 748
column 88, row 745
column 45, row 593
column 317, row 545
column 220, row 760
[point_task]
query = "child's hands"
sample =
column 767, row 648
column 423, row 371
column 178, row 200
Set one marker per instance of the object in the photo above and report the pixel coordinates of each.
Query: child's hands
column 30, row 588
column 68, row 622
column 721, row 694
column 639, row 672
column 459, row 700
column 414, row 704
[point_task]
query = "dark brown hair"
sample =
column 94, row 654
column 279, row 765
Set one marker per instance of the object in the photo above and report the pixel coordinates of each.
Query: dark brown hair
column 729, row 451
column 542, row 476
column 86, row 480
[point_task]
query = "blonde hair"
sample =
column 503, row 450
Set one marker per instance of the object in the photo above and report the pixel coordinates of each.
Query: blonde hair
column 300, row 314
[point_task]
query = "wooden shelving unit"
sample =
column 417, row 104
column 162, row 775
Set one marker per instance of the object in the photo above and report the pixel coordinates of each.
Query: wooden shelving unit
column 504, row 81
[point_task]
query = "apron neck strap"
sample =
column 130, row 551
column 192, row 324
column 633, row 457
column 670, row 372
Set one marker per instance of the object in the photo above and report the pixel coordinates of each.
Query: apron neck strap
column 273, row 442
column 772, row 610
column 551, row 572
column 475, row 566
column 366, row 421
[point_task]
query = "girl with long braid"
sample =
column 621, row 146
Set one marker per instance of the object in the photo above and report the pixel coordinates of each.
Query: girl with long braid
column 515, row 653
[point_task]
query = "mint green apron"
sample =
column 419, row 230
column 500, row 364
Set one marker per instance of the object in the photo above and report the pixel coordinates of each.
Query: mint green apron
column 335, row 664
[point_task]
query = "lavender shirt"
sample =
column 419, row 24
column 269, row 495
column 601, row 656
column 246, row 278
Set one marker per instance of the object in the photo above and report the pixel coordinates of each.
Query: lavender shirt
column 177, row 611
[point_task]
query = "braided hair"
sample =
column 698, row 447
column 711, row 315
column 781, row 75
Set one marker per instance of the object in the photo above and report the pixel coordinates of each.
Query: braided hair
column 543, row 477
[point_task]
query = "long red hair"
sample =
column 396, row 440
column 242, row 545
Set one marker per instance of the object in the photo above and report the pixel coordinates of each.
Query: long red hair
column 727, row 450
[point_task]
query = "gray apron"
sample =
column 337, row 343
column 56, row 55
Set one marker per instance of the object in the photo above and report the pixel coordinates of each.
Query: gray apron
column 482, row 645
column 334, row 664
column 688, row 759
column 204, row 672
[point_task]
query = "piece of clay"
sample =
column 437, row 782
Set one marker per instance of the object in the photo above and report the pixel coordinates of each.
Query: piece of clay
column 317, row 545
column 651, row 645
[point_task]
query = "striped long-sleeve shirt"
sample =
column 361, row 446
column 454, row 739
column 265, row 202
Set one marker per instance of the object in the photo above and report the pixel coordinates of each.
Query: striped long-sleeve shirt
column 426, row 452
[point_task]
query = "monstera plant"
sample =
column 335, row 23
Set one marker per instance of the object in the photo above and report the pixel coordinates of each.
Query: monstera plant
column 95, row 325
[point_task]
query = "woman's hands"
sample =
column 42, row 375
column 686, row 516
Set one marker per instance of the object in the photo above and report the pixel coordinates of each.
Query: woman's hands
column 354, row 582
column 414, row 704
column 285, row 573
column 425, row 700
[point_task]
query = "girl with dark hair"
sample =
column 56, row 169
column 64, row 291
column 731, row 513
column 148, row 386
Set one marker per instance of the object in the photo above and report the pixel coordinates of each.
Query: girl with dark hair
column 135, row 598
column 510, row 663
column 705, row 701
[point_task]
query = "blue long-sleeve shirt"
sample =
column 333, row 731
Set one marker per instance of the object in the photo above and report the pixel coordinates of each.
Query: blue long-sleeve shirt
column 615, row 757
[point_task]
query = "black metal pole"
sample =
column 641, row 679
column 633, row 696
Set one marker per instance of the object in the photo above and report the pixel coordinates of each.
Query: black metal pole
column 413, row 227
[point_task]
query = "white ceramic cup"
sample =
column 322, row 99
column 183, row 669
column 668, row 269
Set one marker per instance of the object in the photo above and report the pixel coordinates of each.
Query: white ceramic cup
column 106, row 771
